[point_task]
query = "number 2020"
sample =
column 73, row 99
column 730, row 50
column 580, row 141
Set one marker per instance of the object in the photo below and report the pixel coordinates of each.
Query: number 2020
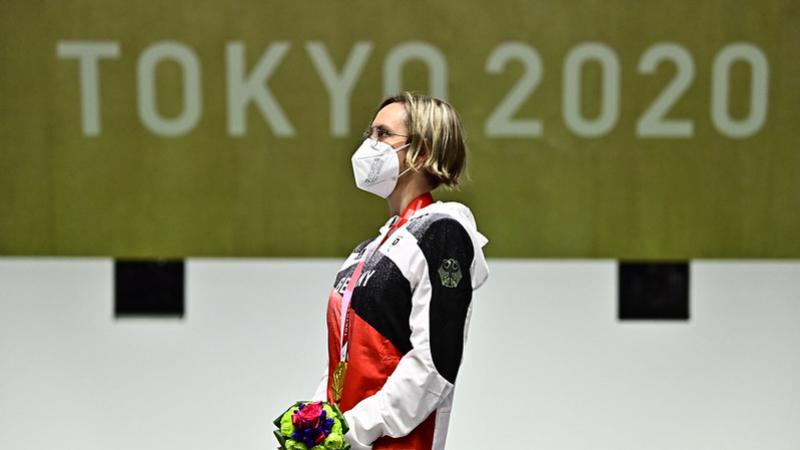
column 652, row 123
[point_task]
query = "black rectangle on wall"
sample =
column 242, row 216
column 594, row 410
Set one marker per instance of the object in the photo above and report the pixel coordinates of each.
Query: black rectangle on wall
column 148, row 288
column 653, row 290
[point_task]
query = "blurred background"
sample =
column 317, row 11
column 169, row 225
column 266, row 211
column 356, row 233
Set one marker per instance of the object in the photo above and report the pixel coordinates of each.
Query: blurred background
column 176, row 197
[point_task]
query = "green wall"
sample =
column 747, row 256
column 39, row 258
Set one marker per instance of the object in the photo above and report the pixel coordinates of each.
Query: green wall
column 698, row 159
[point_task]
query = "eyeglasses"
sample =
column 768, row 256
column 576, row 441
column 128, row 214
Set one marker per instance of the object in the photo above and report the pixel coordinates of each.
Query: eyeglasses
column 382, row 133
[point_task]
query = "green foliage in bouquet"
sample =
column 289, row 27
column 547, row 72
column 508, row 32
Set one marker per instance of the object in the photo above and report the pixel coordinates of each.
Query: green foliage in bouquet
column 312, row 426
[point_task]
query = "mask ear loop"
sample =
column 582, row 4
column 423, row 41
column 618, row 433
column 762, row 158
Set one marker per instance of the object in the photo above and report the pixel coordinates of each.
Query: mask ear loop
column 407, row 168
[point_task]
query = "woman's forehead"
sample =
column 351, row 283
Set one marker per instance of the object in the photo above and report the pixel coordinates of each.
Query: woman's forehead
column 391, row 116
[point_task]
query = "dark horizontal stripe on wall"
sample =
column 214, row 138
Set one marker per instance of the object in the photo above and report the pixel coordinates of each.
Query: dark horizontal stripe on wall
column 653, row 290
column 149, row 288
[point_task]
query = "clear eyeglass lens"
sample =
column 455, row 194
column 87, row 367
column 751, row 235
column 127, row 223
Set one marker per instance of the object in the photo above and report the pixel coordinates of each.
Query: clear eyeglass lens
column 378, row 133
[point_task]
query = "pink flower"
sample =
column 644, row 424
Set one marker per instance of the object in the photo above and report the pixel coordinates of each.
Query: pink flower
column 308, row 416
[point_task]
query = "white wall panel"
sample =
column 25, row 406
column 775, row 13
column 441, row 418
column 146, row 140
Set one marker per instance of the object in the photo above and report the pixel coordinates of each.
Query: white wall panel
column 546, row 357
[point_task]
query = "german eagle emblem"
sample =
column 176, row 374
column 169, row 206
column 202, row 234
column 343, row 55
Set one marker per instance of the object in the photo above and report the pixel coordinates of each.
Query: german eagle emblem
column 450, row 273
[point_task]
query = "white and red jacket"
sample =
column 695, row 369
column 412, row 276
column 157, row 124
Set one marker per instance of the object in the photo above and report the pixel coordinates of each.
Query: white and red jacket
column 411, row 305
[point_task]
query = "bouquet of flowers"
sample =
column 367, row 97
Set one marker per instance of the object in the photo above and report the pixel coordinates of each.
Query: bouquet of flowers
column 312, row 426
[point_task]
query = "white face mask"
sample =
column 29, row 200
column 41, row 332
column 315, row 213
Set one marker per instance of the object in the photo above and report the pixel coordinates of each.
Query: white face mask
column 376, row 167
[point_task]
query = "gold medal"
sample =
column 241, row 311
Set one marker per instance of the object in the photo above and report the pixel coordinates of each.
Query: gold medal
column 338, row 381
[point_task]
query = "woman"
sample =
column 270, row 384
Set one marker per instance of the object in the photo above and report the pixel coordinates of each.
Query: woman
column 403, row 298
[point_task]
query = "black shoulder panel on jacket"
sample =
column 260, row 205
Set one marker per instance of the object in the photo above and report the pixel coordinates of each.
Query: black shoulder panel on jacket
column 448, row 250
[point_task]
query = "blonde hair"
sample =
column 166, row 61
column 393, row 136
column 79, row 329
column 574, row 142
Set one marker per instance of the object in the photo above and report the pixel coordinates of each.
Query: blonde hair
column 433, row 126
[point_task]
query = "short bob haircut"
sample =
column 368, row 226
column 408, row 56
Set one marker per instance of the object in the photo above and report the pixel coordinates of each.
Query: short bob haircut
column 434, row 128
